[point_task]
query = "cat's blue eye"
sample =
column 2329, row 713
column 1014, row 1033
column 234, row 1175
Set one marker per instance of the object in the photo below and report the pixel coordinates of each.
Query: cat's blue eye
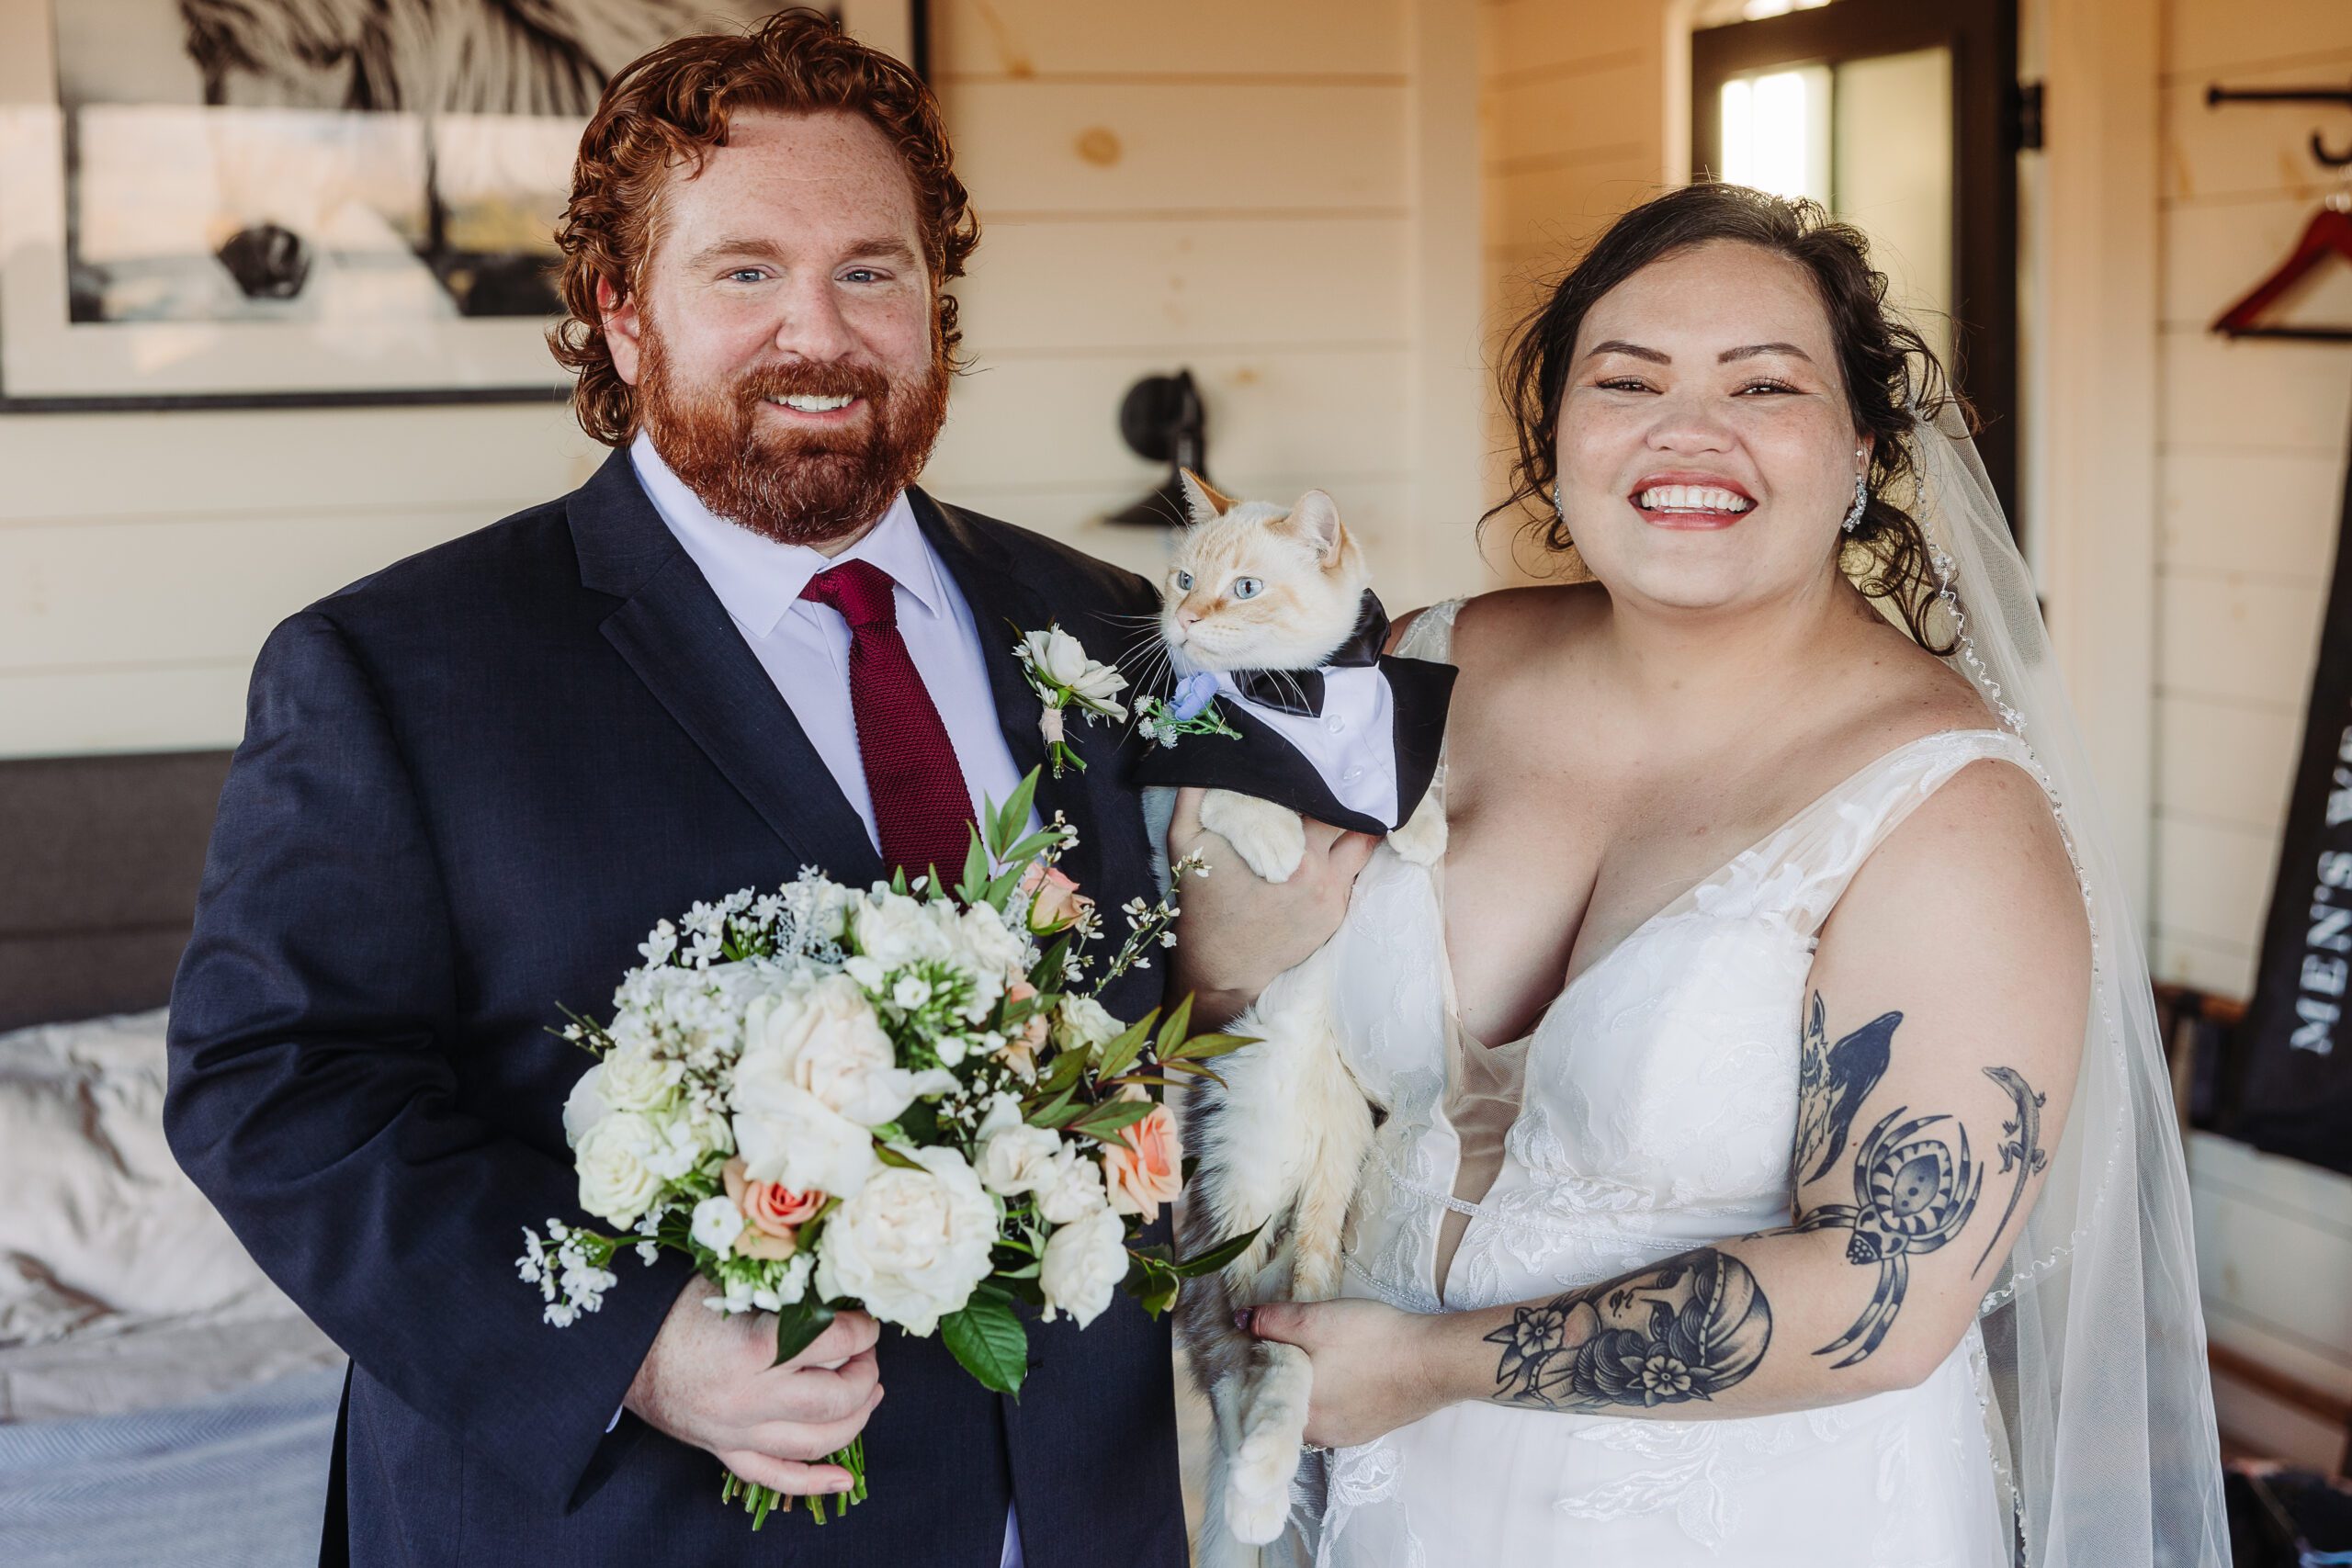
column 1185, row 582
column 1246, row 587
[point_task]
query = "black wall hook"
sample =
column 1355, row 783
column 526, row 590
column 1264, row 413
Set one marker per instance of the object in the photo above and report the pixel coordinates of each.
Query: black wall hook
column 2216, row 95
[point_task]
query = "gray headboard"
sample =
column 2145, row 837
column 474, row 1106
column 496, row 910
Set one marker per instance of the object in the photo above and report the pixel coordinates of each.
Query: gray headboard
column 99, row 861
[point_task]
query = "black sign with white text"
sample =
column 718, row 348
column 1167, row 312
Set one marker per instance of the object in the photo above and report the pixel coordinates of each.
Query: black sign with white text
column 2295, row 1048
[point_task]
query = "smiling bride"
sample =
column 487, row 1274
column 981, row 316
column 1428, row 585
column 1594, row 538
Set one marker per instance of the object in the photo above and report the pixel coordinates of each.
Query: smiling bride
column 1776, row 1166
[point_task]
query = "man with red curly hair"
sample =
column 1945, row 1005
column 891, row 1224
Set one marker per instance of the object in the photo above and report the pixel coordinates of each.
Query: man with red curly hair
column 469, row 782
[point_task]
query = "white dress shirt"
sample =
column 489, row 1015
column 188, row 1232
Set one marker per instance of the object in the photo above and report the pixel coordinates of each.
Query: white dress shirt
column 803, row 646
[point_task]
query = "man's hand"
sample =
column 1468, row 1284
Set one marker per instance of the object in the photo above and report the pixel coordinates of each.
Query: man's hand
column 1236, row 932
column 707, row 1381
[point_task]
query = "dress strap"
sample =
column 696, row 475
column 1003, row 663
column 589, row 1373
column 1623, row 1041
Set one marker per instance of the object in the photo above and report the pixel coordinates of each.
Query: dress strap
column 1431, row 635
column 1826, row 844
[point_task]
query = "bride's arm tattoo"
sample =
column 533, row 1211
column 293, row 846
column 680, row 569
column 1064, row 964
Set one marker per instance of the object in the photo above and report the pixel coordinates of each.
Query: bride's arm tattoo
column 1913, row 1190
column 1687, row 1330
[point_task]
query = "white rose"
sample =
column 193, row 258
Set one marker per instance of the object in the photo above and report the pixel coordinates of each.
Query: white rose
column 1061, row 660
column 826, row 1038
column 585, row 1106
column 637, row 1079
column 1083, row 1022
column 787, row 1134
column 1013, row 1157
column 1084, row 1265
column 913, row 1245
column 1070, row 1188
column 895, row 931
column 717, row 1223
column 615, row 1184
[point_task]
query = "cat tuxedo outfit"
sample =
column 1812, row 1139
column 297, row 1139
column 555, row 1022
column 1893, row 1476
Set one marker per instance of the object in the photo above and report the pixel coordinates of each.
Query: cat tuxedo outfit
column 1353, row 742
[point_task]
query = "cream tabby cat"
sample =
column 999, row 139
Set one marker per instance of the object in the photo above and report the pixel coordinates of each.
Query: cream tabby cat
column 1254, row 586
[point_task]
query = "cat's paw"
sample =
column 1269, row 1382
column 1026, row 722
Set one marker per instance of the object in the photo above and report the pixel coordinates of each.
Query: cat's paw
column 1273, row 1425
column 1423, row 838
column 1270, row 839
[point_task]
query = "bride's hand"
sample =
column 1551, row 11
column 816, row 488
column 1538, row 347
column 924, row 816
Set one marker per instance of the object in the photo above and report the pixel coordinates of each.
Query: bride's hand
column 1375, row 1368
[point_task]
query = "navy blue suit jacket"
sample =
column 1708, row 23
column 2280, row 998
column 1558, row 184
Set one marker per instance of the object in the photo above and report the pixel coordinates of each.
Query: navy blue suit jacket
column 468, row 786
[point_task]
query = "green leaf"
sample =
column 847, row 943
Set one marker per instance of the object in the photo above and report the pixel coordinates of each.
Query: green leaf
column 988, row 1340
column 1118, row 1053
column 797, row 1326
column 1171, row 1033
column 1106, row 1121
column 1047, row 974
column 976, row 870
column 1067, row 1069
column 1031, row 846
column 889, row 1154
column 1013, row 814
column 1202, row 1048
column 1216, row 1256
column 1058, row 1112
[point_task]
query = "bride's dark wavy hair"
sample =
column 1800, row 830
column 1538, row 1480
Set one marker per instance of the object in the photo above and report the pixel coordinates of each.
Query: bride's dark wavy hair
column 1890, row 371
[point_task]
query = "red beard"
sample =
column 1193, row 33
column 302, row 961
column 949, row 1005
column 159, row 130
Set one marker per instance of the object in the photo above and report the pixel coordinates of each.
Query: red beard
column 795, row 487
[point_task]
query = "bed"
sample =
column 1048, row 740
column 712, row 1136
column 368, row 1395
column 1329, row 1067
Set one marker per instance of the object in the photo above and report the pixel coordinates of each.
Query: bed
column 161, row 1403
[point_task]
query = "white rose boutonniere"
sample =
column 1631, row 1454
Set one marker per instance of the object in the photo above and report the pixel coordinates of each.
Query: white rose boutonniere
column 1062, row 675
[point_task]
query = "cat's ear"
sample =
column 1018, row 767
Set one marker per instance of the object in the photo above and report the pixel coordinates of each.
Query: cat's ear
column 1202, row 499
column 1315, row 519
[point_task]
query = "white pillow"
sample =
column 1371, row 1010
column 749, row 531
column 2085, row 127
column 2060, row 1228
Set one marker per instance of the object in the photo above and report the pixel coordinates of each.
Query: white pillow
column 97, row 1220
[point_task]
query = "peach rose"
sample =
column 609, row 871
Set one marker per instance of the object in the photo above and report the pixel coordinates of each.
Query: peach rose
column 1055, row 903
column 1021, row 1049
column 774, row 1212
column 1145, row 1168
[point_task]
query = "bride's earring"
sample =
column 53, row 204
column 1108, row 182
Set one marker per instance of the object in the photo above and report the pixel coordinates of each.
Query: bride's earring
column 1862, row 495
column 1559, row 512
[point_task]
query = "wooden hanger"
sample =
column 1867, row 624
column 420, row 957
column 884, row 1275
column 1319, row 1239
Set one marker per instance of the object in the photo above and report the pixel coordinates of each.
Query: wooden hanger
column 2328, row 233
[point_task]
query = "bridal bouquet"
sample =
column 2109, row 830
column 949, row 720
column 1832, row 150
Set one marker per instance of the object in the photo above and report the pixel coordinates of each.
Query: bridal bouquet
column 901, row 1098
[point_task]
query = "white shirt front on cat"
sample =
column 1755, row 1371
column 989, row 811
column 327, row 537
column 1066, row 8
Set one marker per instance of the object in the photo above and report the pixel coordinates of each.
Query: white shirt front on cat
column 1351, row 744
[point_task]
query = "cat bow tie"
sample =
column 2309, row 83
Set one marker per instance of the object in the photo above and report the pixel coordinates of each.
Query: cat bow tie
column 1301, row 691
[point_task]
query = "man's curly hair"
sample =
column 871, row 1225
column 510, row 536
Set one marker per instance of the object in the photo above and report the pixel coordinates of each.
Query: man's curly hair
column 670, row 108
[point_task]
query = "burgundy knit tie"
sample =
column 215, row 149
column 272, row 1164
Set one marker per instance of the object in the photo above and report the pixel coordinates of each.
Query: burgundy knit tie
column 922, row 810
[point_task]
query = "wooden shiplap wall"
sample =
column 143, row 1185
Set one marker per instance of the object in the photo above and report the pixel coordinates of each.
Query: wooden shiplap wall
column 2251, row 439
column 1237, row 186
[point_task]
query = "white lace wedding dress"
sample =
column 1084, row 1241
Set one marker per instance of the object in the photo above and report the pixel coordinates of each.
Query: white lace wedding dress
column 1650, row 1111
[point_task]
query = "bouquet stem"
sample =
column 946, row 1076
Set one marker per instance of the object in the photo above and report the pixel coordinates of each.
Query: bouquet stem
column 761, row 1501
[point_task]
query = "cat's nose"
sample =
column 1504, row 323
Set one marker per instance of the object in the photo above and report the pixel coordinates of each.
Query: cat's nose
column 1186, row 617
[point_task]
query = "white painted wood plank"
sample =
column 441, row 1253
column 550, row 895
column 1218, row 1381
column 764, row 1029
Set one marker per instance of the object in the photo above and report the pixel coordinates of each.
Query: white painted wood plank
column 2253, row 392
column 2252, row 1336
column 2264, row 512
column 2215, row 252
column 1057, row 147
column 1373, row 509
column 2320, row 1196
column 2212, row 880
column 1532, row 114
column 1543, row 38
column 1047, row 37
column 81, row 593
column 187, row 708
column 2225, row 762
column 233, row 464
column 2215, row 37
column 2263, row 1424
column 2229, row 637
column 2279, row 1272
column 2229, row 152
column 1561, row 208
column 1174, row 284
column 1029, row 423
column 2184, row 958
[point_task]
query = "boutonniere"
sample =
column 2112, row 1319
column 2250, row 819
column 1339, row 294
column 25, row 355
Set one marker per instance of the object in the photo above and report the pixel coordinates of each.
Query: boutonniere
column 1189, row 710
column 1062, row 675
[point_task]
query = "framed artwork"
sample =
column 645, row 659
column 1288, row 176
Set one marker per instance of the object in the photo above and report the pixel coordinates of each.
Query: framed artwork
column 252, row 203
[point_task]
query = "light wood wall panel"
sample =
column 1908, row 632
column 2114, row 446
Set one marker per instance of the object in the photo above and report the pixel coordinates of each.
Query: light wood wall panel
column 1028, row 39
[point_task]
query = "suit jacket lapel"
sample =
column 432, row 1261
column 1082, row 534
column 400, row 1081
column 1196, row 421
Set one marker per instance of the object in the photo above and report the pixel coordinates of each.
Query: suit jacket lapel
column 678, row 639
column 1004, row 607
